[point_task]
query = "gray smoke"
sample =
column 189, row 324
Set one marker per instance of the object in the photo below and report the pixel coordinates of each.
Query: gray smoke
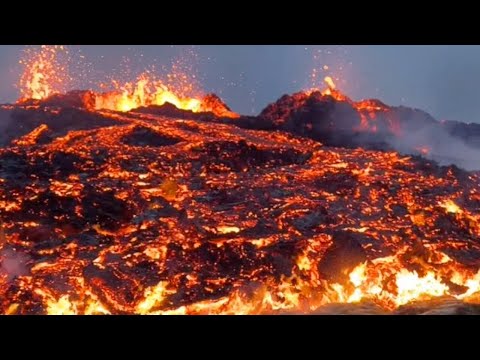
column 13, row 263
column 443, row 147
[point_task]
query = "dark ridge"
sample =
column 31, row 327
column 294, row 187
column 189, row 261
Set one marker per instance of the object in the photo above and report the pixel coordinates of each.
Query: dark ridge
column 142, row 136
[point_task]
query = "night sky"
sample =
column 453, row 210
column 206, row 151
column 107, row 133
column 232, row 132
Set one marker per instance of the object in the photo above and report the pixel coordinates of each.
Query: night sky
column 443, row 80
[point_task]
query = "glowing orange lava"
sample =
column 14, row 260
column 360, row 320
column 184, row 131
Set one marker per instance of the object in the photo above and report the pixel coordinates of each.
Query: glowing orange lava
column 144, row 92
column 44, row 72
column 156, row 214
column 147, row 91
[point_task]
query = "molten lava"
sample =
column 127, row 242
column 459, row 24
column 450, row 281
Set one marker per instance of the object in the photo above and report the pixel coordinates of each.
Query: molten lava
column 146, row 92
column 106, row 213
column 45, row 73
column 105, row 210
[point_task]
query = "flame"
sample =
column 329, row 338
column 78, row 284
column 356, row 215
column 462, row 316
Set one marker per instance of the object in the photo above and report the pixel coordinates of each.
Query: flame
column 62, row 306
column 384, row 280
column 304, row 263
column 413, row 287
column 387, row 282
column 331, row 89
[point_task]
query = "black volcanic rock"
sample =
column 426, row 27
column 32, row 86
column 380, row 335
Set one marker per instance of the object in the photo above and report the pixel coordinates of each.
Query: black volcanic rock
column 213, row 101
column 319, row 117
column 315, row 111
column 339, row 121
column 279, row 112
column 142, row 136
column 130, row 213
column 21, row 120
column 212, row 108
column 413, row 119
column 342, row 257
column 168, row 110
column 470, row 133
column 77, row 98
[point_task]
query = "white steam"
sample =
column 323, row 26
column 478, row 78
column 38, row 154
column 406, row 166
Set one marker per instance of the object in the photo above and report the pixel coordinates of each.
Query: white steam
column 440, row 146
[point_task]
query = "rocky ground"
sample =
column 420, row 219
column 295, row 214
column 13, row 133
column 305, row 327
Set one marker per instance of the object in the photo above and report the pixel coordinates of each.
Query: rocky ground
column 165, row 211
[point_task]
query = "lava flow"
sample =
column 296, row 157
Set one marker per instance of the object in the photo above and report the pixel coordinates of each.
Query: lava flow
column 143, row 208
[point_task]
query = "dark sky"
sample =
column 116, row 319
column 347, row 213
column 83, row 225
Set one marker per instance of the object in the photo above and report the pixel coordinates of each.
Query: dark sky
column 443, row 80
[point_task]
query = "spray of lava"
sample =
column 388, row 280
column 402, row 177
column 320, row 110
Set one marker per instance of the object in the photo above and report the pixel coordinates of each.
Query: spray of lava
column 45, row 74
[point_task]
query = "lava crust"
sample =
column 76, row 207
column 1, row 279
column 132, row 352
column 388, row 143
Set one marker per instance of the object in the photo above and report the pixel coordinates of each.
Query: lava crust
column 146, row 212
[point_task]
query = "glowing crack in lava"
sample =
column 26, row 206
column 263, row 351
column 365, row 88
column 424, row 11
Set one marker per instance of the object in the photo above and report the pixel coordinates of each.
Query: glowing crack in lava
column 107, row 212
